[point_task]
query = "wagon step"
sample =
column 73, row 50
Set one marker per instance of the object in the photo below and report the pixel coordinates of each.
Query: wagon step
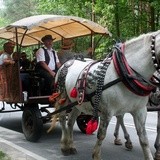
column 152, row 109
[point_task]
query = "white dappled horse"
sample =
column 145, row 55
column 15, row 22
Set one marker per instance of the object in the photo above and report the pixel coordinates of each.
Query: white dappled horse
column 115, row 100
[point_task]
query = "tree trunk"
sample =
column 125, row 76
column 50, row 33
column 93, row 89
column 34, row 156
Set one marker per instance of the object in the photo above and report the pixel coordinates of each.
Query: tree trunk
column 117, row 18
column 152, row 18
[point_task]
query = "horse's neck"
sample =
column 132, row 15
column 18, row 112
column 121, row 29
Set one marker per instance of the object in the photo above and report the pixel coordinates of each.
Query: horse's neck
column 138, row 55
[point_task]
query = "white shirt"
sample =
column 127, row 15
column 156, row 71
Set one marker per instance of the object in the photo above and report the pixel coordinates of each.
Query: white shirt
column 4, row 56
column 40, row 56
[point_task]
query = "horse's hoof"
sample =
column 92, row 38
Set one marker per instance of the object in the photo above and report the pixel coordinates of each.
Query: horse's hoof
column 73, row 151
column 117, row 142
column 95, row 157
column 157, row 156
column 65, row 152
column 129, row 145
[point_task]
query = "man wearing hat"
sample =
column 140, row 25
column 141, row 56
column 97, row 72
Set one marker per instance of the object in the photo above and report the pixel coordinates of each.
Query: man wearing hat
column 66, row 52
column 47, row 63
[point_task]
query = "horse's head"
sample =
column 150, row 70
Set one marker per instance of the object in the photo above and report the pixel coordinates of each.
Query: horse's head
column 143, row 53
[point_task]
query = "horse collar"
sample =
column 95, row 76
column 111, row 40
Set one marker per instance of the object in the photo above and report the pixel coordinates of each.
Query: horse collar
column 131, row 79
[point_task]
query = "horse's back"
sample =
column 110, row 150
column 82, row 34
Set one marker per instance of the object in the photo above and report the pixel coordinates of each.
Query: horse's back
column 117, row 97
column 74, row 72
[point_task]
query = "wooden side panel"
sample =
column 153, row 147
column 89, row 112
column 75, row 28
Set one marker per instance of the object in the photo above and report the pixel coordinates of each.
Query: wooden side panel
column 10, row 84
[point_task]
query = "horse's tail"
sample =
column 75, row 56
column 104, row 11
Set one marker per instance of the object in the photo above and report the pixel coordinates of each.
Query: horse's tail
column 54, row 118
column 60, row 101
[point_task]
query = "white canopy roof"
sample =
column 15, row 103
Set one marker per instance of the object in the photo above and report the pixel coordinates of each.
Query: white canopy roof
column 30, row 30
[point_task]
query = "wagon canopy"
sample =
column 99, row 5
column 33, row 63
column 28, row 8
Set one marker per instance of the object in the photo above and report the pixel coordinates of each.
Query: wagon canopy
column 30, row 30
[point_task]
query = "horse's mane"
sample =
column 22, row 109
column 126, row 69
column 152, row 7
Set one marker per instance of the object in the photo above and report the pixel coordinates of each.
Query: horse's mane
column 142, row 41
column 139, row 38
column 145, row 36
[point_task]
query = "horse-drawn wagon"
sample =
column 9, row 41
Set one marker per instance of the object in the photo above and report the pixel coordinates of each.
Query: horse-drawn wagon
column 28, row 32
column 121, row 85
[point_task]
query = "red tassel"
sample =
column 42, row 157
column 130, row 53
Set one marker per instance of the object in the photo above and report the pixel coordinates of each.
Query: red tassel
column 62, row 101
column 53, row 97
column 91, row 126
column 73, row 93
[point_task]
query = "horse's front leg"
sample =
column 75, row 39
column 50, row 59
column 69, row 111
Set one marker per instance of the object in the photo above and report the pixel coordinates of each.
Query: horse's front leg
column 120, row 121
column 139, row 120
column 104, row 121
column 67, row 145
column 157, row 145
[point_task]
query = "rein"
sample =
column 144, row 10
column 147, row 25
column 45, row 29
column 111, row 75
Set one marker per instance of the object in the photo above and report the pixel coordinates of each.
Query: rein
column 89, row 96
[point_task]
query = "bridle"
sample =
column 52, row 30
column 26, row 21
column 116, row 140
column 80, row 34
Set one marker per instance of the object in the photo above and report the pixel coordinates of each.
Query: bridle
column 155, row 59
column 154, row 56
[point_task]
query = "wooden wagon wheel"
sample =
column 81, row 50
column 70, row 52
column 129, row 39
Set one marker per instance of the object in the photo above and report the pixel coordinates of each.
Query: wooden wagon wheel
column 32, row 124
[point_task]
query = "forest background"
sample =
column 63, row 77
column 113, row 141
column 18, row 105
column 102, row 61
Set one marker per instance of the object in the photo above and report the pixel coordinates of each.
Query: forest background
column 123, row 18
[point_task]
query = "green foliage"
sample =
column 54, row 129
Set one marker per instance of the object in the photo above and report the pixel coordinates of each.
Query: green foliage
column 3, row 156
column 18, row 9
column 123, row 18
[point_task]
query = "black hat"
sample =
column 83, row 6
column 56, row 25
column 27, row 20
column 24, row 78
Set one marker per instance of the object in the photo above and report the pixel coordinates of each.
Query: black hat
column 47, row 37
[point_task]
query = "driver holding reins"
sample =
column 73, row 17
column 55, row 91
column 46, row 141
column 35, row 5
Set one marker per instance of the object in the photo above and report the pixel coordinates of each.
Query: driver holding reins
column 47, row 63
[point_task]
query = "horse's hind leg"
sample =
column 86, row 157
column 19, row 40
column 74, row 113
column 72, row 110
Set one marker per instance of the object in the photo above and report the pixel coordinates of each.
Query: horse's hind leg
column 104, row 121
column 64, row 136
column 139, row 120
column 157, row 145
column 117, row 141
column 71, row 121
column 67, row 146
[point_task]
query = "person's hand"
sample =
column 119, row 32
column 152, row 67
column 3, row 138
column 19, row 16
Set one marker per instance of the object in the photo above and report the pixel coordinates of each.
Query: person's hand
column 53, row 74
column 90, row 49
column 12, row 62
column 8, row 61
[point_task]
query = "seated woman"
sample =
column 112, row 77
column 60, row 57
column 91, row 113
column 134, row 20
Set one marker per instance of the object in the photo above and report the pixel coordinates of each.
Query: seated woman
column 6, row 63
column 5, row 57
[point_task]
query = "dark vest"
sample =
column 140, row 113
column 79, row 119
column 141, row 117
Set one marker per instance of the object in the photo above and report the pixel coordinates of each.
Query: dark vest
column 47, row 60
